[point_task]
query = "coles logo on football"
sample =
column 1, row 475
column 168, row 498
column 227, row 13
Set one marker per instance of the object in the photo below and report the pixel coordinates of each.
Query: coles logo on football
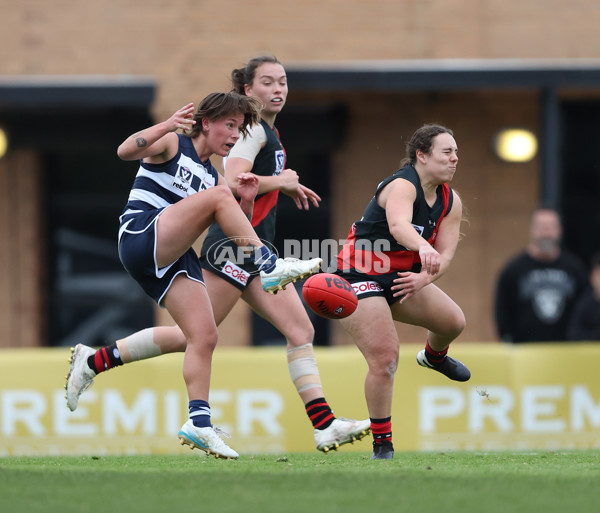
column 362, row 287
column 235, row 273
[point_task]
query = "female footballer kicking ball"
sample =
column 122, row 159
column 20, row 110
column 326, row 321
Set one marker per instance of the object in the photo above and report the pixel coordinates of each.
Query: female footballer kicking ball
column 261, row 155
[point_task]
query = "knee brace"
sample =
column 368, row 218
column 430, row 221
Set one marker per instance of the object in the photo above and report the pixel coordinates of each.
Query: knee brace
column 303, row 368
column 139, row 346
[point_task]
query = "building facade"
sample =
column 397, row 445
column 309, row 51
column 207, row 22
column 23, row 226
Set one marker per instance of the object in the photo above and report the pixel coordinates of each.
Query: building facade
column 76, row 78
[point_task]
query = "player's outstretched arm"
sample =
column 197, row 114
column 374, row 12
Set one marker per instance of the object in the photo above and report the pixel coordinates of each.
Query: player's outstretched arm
column 156, row 143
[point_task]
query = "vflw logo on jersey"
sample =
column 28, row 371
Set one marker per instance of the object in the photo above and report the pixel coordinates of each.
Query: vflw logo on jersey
column 184, row 174
column 191, row 174
column 420, row 229
column 279, row 162
column 183, row 177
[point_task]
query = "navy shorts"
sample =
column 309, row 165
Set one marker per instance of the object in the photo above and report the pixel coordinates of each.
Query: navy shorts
column 226, row 260
column 137, row 251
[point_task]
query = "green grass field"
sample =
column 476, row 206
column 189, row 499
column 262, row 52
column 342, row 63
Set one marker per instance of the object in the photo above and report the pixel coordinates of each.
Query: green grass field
column 466, row 482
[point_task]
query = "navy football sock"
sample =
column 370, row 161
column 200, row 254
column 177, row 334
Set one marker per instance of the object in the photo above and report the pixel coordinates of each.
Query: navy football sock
column 264, row 259
column 200, row 413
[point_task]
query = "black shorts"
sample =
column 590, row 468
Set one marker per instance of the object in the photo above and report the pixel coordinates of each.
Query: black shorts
column 366, row 285
column 370, row 285
column 226, row 260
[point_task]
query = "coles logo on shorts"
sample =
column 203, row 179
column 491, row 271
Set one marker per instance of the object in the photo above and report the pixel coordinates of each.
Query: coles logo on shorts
column 362, row 287
column 235, row 273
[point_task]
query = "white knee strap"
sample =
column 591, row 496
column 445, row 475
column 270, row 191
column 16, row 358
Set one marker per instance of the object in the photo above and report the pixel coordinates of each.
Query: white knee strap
column 139, row 346
column 303, row 368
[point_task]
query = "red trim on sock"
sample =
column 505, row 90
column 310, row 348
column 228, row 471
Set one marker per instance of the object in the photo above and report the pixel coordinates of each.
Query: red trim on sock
column 322, row 421
column 384, row 429
column 98, row 362
column 319, row 413
column 435, row 356
column 316, row 405
column 381, row 428
column 106, row 359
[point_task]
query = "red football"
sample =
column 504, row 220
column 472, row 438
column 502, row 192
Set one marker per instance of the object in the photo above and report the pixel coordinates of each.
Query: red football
column 329, row 295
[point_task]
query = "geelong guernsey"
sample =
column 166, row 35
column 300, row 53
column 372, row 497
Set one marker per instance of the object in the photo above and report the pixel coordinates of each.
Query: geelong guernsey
column 160, row 185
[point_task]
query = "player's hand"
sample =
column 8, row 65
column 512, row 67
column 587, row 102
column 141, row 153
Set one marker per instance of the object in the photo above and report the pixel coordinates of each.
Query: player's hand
column 408, row 284
column 247, row 186
column 302, row 195
column 309, row 196
column 288, row 182
column 182, row 119
column 430, row 259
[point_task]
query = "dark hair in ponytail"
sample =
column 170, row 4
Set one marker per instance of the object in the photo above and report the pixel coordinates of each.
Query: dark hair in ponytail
column 242, row 76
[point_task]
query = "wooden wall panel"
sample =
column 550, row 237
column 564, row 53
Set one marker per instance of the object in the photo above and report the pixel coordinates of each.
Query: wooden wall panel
column 21, row 251
column 6, row 328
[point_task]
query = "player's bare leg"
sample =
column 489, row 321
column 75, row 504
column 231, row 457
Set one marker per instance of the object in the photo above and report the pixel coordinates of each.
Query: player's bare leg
column 286, row 312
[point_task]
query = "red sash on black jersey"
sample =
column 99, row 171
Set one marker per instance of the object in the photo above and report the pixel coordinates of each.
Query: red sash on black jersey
column 446, row 199
column 382, row 262
column 263, row 205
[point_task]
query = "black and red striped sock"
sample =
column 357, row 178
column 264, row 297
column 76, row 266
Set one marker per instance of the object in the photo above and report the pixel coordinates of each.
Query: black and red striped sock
column 435, row 357
column 105, row 358
column 382, row 430
column 319, row 413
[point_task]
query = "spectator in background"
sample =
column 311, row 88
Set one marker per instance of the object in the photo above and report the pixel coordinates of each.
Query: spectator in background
column 538, row 288
column 584, row 324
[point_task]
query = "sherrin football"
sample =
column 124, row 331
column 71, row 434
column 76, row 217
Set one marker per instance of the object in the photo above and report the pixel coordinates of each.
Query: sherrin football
column 329, row 295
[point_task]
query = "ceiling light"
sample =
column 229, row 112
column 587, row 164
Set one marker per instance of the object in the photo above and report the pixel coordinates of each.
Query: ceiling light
column 3, row 143
column 515, row 145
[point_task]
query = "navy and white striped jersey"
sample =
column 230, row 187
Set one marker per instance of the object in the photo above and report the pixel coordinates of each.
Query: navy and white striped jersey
column 160, row 185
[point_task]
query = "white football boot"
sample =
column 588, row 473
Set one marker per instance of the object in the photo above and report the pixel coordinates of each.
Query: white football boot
column 288, row 270
column 80, row 376
column 341, row 431
column 206, row 439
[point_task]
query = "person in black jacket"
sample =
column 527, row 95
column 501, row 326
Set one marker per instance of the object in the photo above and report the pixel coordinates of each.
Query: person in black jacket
column 538, row 288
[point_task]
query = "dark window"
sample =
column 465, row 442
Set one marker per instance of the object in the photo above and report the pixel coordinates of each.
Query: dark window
column 580, row 137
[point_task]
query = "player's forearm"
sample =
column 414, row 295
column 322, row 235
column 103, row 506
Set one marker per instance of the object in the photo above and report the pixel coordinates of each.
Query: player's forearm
column 265, row 184
column 405, row 234
column 137, row 145
column 268, row 184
